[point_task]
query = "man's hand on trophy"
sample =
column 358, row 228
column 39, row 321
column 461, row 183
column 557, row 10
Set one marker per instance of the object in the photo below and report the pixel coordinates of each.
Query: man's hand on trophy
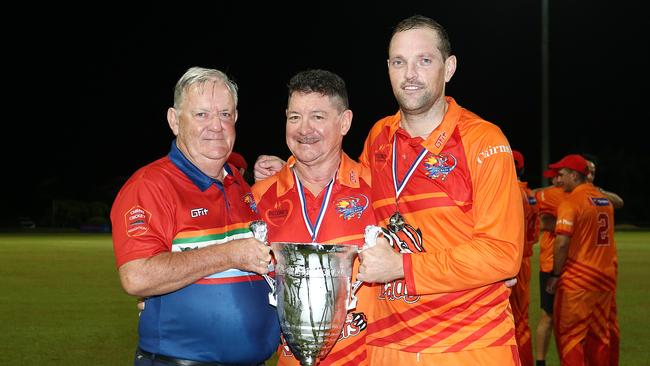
column 380, row 263
column 250, row 255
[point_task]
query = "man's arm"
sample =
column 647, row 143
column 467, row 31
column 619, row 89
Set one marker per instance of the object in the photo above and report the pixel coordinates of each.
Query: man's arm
column 267, row 166
column 170, row 271
column 547, row 222
column 560, row 252
column 615, row 199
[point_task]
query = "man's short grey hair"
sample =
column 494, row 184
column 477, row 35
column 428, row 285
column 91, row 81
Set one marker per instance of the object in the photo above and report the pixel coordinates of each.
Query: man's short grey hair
column 200, row 75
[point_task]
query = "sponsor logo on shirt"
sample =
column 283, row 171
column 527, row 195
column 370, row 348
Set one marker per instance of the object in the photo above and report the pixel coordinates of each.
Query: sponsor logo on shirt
column 353, row 177
column 250, row 201
column 441, row 139
column 196, row 212
column 382, row 153
column 599, row 201
column 438, row 166
column 278, row 215
column 492, row 150
column 137, row 221
column 354, row 324
column 351, row 207
column 396, row 290
column 565, row 222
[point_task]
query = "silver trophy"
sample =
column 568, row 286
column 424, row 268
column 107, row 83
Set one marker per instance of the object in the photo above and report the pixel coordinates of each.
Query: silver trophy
column 313, row 288
column 312, row 292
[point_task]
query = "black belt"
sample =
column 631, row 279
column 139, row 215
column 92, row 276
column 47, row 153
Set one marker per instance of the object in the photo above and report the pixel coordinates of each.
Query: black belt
column 175, row 361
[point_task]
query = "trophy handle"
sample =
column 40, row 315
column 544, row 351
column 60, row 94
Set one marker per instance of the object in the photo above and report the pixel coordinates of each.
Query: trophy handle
column 260, row 232
column 370, row 237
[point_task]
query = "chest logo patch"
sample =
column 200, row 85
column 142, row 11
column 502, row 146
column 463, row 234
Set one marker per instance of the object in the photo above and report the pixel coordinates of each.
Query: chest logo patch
column 351, row 207
column 137, row 221
column 249, row 200
column 278, row 215
column 438, row 166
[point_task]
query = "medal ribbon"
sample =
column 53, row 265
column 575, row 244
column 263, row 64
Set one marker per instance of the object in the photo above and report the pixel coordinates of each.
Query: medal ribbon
column 399, row 186
column 313, row 229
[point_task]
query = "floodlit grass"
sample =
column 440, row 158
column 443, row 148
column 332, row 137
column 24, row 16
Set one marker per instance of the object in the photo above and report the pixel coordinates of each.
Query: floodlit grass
column 61, row 302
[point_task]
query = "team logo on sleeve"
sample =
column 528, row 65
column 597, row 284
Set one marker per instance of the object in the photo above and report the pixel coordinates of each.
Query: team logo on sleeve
column 137, row 221
column 438, row 166
column 249, row 200
column 350, row 207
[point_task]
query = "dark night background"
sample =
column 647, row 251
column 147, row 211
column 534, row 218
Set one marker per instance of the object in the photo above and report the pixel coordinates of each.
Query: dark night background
column 87, row 88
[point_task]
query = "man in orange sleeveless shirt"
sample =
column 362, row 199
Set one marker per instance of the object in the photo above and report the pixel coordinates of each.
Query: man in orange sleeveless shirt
column 520, row 296
column 584, row 268
column 443, row 179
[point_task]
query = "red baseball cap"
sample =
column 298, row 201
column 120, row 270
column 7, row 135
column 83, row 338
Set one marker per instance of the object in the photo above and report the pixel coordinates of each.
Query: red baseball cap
column 573, row 162
column 237, row 160
column 519, row 159
column 551, row 173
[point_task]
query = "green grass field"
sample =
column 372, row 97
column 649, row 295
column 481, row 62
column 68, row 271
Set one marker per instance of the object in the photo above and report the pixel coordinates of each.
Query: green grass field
column 61, row 302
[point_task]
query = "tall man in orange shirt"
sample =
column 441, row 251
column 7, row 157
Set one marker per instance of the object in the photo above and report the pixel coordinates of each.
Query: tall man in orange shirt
column 443, row 179
column 584, row 268
column 320, row 195
column 520, row 296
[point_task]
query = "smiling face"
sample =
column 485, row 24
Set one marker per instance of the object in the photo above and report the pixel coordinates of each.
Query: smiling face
column 417, row 69
column 316, row 124
column 205, row 124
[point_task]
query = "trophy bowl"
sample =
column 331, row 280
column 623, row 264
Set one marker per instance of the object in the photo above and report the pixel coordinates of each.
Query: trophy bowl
column 312, row 289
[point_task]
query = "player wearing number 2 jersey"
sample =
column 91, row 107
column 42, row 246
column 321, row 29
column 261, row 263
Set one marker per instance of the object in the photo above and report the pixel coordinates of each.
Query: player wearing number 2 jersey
column 584, row 268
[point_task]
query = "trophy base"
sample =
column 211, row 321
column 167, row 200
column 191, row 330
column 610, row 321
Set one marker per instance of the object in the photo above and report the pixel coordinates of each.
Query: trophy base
column 308, row 361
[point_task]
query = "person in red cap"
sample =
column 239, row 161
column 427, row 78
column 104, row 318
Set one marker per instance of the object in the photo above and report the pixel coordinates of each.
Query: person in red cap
column 584, row 267
column 239, row 162
column 617, row 202
column 520, row 295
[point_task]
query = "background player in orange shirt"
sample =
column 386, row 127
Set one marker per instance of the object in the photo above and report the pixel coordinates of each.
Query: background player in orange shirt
column 520, row 296
column 614, row 198
column 584, row 268
column 320, row 194
column 617, row 202
column 548, row 199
